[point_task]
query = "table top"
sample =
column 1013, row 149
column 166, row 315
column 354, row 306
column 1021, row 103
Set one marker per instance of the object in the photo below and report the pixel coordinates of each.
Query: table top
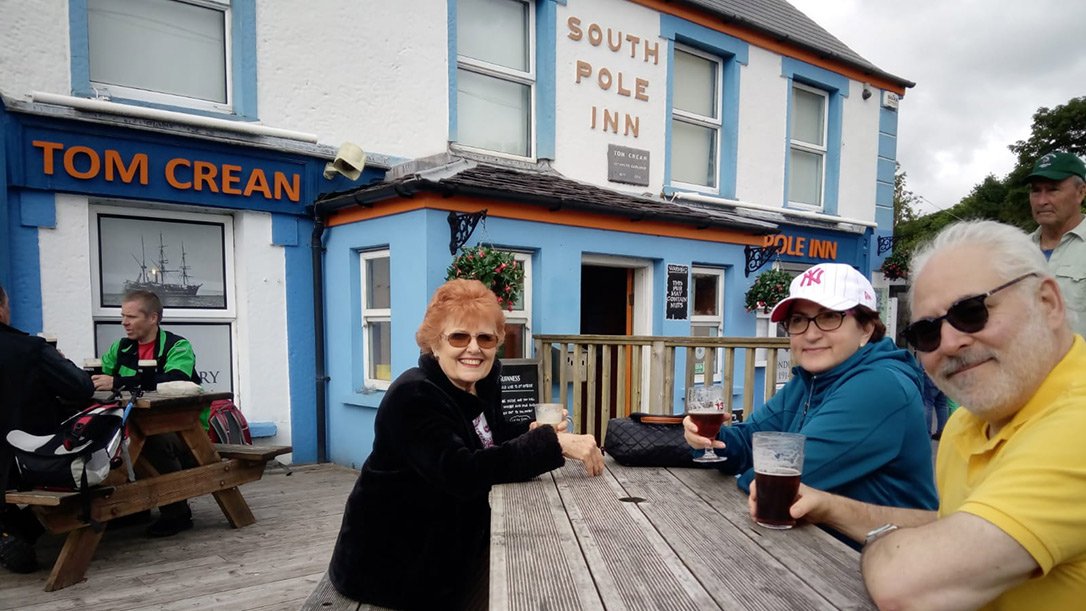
column 655, row 538
column 153, row 399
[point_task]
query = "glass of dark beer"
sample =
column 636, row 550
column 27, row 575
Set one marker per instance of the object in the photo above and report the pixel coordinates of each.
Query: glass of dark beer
column 778, row 463
column 708, row 411
column 148, row 381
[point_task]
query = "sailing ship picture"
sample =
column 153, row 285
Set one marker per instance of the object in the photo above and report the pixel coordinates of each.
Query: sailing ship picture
column 155, row 277
column 183, row 262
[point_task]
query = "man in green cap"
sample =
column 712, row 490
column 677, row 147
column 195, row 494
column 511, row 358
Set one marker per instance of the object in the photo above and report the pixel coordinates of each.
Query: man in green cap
column 1057, row 188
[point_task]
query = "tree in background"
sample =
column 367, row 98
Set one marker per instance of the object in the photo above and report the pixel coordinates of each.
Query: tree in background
column 1004, row 199
column 904, row 211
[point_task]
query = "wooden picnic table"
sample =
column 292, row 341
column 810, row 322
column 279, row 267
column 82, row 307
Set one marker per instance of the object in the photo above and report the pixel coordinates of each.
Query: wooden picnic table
column 219, row 470
column 656, row 538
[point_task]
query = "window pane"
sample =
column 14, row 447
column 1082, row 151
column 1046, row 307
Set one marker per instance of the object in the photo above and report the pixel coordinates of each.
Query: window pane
column 494, row 31
column 378, row 292
column 513, row 347
column 158, row 45
column 705, row 295
column 493, row 114
column 805, row 178
column 808, row 111
column 693, row 154
column 695, row 84
column 380, row 344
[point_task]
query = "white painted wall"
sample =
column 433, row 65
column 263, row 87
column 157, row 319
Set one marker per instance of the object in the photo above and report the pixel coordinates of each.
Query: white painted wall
column 373, row 73
column 859, row 154
column 580, row 150
column 34, row 47
column 763, row 129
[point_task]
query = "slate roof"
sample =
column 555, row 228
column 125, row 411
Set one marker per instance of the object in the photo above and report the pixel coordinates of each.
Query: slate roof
column 788, row 24
column 544, row 188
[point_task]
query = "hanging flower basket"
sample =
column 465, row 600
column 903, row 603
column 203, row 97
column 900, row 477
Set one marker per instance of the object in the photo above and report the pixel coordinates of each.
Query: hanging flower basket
column 768, row 289
column 498, row 270
column 896, row 266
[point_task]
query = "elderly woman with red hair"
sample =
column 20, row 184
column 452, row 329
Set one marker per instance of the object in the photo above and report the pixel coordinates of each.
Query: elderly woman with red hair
column 416, row 529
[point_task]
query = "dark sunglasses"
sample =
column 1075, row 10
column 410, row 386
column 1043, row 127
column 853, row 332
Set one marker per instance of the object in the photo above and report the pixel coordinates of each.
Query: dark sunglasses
column 968, row 315
column 461, row 339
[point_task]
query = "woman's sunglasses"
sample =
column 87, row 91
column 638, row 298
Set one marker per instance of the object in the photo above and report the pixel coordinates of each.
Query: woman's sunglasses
column 968, row 315
column 461, row 339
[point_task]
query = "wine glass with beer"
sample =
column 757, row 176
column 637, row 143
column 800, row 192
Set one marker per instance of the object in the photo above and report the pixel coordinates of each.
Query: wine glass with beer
column 708, row 411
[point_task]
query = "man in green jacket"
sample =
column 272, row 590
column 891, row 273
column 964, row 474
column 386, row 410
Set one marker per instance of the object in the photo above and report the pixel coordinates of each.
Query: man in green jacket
column 141, row 314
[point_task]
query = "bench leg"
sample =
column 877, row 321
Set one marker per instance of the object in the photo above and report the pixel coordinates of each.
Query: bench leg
column 234, row 507
column 71, row 566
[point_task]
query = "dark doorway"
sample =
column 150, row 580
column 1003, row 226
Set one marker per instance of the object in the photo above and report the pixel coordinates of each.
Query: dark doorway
column 606, row 309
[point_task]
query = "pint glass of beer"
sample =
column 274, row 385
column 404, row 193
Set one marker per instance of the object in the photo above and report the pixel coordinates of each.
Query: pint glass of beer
column 778, row 463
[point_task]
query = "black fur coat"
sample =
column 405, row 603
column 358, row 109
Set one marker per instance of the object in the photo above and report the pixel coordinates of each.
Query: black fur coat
column 416, row 528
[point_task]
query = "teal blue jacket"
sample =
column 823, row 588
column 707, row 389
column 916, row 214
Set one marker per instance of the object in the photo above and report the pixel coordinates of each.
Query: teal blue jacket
column 864, row 422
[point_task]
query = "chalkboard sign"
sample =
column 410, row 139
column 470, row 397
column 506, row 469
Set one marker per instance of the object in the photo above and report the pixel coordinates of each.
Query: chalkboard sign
column 677, row 277
column 520, row 389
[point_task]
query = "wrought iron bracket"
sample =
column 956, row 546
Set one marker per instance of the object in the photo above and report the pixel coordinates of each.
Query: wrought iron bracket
column 758, row 256
column 461, row 226
column 886, row 244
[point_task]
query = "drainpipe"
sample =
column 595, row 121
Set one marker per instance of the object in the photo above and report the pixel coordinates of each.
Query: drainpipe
column 316, row 246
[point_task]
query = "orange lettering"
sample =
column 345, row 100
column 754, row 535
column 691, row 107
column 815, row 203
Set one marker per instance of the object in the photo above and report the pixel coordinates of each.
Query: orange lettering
column 574, row 25
column 230, row 179
column 830, row 248
column 93, row 168
column 595, row 35
column 47, row 149
column 257, row 182
column 203, row 173
column 114, row 163
column 610, row 119
column 583, row 69
column 633, row 125
column 801, row 243
column 604, row 79
column 640, row 85
column 293, row 189
column 620, row 89
column 171, row 173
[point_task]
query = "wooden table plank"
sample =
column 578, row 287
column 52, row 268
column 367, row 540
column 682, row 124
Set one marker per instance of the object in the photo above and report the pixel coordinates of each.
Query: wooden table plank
column 653, row 538
column 532, row 542
column 828, row 565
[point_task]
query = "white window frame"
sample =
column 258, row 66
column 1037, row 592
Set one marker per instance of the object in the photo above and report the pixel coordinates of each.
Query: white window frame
column 226, row 220
column 371, row 316
column 714, row 322
column 156, row 97
column 809, row 147
column 714, row 123
column 504, row 73
column 523, row 315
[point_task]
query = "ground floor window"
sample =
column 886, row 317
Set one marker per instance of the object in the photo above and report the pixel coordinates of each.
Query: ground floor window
column 376, row 318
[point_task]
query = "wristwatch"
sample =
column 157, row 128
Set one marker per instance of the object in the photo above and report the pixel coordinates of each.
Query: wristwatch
column 879, row 532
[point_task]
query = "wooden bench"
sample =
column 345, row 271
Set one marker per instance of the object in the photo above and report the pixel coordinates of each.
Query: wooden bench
column 250, row 453
column 325, row 598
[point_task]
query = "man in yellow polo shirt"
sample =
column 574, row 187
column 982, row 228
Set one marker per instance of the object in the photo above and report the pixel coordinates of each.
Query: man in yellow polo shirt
column 990, row 327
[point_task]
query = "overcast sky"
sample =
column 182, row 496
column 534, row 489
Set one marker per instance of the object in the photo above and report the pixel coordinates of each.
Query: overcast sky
column 981, row 68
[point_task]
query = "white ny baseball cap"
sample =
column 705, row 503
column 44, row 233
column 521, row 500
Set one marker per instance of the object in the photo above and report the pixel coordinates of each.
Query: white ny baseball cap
column 834, row 286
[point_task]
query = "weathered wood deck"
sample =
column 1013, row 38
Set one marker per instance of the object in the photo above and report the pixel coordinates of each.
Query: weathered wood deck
column 273, row 564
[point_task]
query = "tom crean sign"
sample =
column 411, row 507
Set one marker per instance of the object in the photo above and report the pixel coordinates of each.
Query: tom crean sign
column 181, row 170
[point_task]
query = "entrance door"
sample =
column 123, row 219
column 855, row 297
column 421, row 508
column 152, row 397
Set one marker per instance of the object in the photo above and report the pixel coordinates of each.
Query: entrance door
column 607, row 301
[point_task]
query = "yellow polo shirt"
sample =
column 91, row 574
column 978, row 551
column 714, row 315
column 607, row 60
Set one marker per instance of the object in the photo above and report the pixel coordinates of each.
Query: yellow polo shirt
column 1030, row 481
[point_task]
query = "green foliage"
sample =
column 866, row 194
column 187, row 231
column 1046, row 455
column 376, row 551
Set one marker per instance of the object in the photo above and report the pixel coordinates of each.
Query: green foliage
column 768, row 289
column 1006, row 199
column 904, row 199
column 498, row 270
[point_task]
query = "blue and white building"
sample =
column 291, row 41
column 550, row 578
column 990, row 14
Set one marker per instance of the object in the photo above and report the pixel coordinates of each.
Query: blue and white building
column 612, row 143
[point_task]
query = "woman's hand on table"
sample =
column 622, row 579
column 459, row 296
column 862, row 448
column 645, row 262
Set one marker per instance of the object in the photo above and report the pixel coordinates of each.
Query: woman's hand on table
column 584, row 449
column 690, row 432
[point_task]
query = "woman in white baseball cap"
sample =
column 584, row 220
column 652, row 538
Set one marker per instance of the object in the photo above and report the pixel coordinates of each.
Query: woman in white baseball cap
column 854, row 394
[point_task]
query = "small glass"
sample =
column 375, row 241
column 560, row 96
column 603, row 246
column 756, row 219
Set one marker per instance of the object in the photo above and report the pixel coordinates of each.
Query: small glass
column 708, row 411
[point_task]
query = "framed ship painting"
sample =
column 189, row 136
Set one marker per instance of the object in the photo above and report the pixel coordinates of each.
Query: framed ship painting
column 181, row 261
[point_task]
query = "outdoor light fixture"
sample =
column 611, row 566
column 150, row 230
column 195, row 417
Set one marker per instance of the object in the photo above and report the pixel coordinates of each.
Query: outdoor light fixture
column 350, row 160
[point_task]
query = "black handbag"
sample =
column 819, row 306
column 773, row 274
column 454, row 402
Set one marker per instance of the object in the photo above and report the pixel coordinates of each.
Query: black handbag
column 649, row 440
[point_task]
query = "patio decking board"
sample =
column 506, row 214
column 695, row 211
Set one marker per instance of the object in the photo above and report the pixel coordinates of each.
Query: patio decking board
column 270, row 565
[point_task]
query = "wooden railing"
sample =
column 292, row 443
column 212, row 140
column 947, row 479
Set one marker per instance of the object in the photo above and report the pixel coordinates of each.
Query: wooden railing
column 607, row 376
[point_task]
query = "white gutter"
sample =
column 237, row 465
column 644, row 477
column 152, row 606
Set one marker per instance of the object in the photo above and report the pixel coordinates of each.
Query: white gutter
column 156, row 114
column 721, row 201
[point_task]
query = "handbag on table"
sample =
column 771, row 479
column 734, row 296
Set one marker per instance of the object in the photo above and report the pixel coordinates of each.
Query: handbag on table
column 649, row 440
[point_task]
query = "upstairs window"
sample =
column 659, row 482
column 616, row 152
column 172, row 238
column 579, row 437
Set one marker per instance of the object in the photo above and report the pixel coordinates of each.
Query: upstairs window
column 495, row 76
column 695, row 119
column 807, row 152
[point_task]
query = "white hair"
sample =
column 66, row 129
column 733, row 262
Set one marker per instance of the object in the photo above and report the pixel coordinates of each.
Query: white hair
column 1010, row 250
